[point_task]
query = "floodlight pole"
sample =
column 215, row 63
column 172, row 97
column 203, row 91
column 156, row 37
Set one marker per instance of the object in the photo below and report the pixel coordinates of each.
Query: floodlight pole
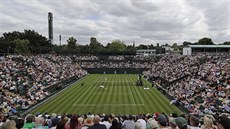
column 60, row 39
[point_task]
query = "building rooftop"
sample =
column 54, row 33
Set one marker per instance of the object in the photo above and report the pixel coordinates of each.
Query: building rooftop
column 209, row 46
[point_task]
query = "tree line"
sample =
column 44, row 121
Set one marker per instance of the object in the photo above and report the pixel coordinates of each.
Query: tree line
column 31, row 42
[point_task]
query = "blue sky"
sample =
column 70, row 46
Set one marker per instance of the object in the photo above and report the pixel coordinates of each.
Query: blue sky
column 142, row 21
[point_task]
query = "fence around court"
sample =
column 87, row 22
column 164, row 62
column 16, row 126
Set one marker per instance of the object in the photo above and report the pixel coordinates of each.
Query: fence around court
column 162, row 89
column 116, row 70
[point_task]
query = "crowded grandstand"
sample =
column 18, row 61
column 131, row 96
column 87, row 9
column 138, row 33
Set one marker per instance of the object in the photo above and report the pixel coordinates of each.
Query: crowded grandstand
column 114, row 64
column 199, row 83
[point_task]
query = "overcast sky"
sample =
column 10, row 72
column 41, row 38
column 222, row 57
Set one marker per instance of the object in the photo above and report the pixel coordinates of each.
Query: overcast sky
column 142, row 21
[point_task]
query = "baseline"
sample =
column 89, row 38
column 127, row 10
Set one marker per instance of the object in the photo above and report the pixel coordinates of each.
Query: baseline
column 101, row 105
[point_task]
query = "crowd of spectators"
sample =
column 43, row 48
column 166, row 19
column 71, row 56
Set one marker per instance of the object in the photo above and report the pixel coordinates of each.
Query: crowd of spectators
column 118, row 61
column 208, row 91
column 80, row 58
column 118, row 57
column 104, row 121
column 107, row 64
column 23, row 79
column 205, row 90
column 171, row 67
column 151, row 58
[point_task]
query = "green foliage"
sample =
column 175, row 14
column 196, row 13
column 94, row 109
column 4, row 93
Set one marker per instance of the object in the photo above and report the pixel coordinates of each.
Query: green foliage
column 205, row 41
column 6, row 46
column 72, row 43
column 84, row 49
column 21, row 46
column 95, row 46
column 37, row 42
column 116, row 46
column 60, row 49
column 185, row 43
column 93, row 40
column 11, row 36
column 226, row 43
column 175, row 47
column 31, row 41
column 36, row 39
column 130, row 48
column 142, row 46
column 72, row 46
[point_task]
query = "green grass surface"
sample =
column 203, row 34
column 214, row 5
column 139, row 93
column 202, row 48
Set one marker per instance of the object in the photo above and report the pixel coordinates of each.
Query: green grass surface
column 120, row 96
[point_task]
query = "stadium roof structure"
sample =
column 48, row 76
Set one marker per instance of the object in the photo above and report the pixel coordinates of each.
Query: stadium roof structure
column 209, row 46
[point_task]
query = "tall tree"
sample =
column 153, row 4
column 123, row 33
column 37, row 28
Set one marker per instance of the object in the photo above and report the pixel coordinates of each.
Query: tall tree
column 226, row 43
column 60, row 49
column 21, row 46
column 37, row 42
column 95, row 46
column 11, row 36
column 142, row 46
column 116, row 46
column 6, row 46
column 175, row 47
column 205, row 41
column 72, row 45
column 185, row 43
column 130, row 48
column 84, row 49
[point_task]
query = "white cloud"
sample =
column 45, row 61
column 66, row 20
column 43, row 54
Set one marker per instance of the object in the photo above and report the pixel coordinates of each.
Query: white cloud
column 142, row 21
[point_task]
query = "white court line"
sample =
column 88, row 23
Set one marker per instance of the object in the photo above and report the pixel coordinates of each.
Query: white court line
column 83, row 94
column 90, row 94
column 111, row 93
column 112, row 81
column 142, row 103
column 139, row 95
column 114, row 86
column 102, row 105
column 132, row 95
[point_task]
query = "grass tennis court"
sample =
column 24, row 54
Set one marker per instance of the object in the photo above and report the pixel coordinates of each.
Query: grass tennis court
column 119, row 96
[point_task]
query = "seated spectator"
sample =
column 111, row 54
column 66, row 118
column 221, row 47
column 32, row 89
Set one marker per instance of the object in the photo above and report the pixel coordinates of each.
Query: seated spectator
column 115, row 124
column 97, row 125
column 39, row 123
column 19, row 123
column 9, row 125
column 208, row 122
column 181, row 123
column 55, row 122
column 62, row 122
column 142, row 121
column 194, row 123
column 73, row 123
column 129, row 123
column 172, row 123
column 223, row 122
column 2, row 119
column 29, row 122
column 88, row 122
column 162, row 121
column 106, row 122
column 152, row 124
column 138, row 125
column 80, row 122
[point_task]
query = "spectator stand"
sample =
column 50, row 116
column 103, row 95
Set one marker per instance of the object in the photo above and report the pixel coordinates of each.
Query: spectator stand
column 54, row 90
